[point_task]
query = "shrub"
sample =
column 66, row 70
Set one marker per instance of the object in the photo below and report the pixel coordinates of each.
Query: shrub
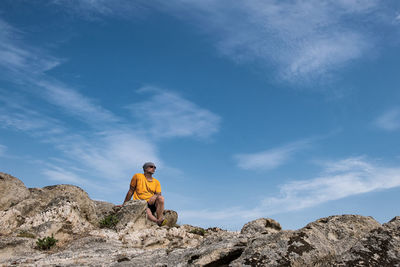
column 198, row 231
column 26, row 234
column 109, row 221
column 46, row 243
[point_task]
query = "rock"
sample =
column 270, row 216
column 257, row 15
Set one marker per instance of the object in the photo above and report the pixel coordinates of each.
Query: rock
column 314, row 244
column 261, row 226
column 12, row 191
column 132, row 215
column 62, row 210
column 171, row 217
column 67, row 212
column 381, row 247
column 103, row 208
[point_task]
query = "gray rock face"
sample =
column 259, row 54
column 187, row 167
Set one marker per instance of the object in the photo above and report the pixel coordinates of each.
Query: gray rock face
column 380, row 247
column 12, row 191
column 68, row 213
column 311, row 245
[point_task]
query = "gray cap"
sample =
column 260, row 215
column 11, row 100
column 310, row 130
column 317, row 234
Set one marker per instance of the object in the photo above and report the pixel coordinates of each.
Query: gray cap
column 148, row 164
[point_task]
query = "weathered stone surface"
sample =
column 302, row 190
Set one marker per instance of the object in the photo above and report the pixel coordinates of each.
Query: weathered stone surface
column 261, row 226
column 171, row 217
column 311, row 245
column 132, row 215
column 103, row 208
column 12, row 191
column 381, row 247
column 62, row 210
column 68, row 213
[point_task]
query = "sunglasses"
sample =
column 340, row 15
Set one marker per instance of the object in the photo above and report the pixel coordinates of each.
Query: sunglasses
column 154, row 167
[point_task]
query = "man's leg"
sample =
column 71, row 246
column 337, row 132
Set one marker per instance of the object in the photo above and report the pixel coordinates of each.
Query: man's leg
column 150, row 216
column 160, row 208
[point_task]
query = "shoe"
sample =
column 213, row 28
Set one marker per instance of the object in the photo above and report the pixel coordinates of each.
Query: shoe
column 164, row 222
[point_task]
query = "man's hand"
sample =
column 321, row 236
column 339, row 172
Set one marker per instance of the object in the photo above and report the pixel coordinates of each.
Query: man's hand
column 152, row 200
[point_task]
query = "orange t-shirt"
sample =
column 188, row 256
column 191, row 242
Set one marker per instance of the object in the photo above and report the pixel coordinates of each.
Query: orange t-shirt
column 143, row 188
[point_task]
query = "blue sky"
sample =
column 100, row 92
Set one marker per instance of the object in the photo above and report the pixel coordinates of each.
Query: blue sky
column 281, row 109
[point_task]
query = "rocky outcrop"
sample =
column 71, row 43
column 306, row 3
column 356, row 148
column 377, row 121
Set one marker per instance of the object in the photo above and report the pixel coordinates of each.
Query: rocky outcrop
column 12, row 191
column 261, row 226
column 311, row 245
column 69, row 214
column 380, row 247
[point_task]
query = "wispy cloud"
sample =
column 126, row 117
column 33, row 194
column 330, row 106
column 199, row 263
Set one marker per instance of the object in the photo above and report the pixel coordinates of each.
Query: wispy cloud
column 63, row 175
column 91, row 9
column 3, row 149
column 74, row 103
column 73, row 176
column 167, row 114
column 18, row 61
column 27, row 64
column 303, row 39
column 271, row 158
column 105, row 145
column 389, row 121
column 16, row 114
column 339, row 179
column 111, row 154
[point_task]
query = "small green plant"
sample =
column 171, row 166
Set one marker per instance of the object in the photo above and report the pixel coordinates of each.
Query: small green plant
column 46, row 243
column 198, row 231
column 109, row 221
column 26, row 234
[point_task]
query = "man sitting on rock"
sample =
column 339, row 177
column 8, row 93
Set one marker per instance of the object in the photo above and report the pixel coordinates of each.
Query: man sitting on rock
column 145, row 186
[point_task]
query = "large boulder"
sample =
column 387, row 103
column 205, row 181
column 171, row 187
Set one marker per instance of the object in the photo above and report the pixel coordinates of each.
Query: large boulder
column 380, row 247
column 12, row 191
column 62, row 210
column 314, row 244
column 132, row 215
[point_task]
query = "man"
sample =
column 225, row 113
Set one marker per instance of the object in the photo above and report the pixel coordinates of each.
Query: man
column 145, row 186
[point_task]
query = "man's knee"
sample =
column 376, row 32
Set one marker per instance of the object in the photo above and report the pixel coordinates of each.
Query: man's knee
column 160, row 199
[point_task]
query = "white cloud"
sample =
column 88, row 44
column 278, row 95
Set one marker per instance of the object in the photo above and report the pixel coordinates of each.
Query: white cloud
column 112, row 155
column 17, row 59
column 27, row 65
column 166, row 114
column 339, row 179
column 63, row 176
column 2, row 150
column 70, row 176
column 91, row 9
column 109, row 148
column 73, row 102
column 18, row 115
column 302, row 39
column 270, row 159
column 390, row 120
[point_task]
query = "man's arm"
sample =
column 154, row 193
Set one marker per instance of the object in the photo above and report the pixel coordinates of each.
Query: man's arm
column 129, row 194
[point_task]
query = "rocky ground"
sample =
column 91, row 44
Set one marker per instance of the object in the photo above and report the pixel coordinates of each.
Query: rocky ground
column 67, row 213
